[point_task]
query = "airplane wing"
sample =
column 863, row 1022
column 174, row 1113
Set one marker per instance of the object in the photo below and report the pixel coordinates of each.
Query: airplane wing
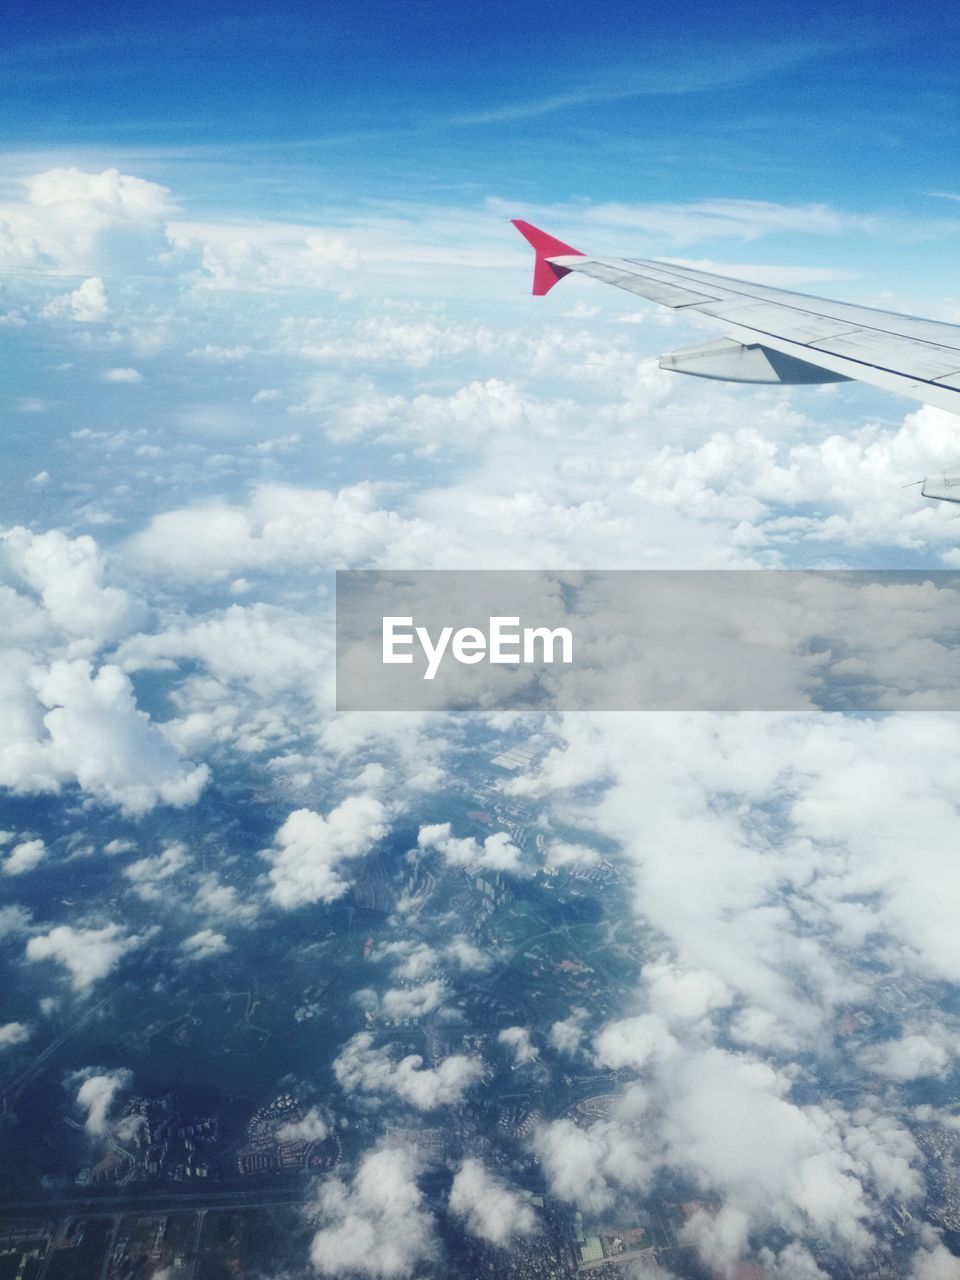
column 778, row 336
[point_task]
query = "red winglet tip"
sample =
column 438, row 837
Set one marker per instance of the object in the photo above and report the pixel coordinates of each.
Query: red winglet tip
column 545, row 274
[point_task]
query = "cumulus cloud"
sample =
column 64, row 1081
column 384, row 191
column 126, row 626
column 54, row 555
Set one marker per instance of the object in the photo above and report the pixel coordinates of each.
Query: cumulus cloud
column 96, row 1096
column 935, row 1263
column 738, row 926
column 376, row 1224
column 728, row 1121
column 86, row 304
column 13, row 1033
column 88, row 955
column 67, row 574
column 633, row 1042
column 854, row 478
column 468, row 956
column 679, row 995
column 24, row 857
column 489, row 1208
column 97, row 735
column 129, row 376
column 566, row 1035
column 416, row 961
column 221, row 902
column 361, row 1067
column 267, row 648
column 280, row 529
column 79, row 221
column 151, row 878
column 587, row 1166
column 806, row 860
column 562, row 853
column 311, row 1127
column 399, row 1003
column 305, row 863
column 912, row 1057
column 204, row 944
column 496, row 853
column 794, row 1262
column 518, row 1039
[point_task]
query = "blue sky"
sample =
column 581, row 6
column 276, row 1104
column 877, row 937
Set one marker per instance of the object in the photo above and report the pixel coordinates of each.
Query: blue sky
column 304, row 103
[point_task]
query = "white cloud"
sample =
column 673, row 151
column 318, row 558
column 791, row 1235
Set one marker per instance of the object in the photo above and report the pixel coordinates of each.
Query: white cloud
column 490, row 1209
column 98, row 736
column 129, row 376
column 763, row 1029
column 562, row 853
column 13, row 1033
column 88, row 955
column 400, row 1003
column 76, row 187
column 150, row 877
column 912, row 1057
column 87, row 304
column 793, row 1262
column 67, row 574
column 518, row 1039
column 855, row 480
column 204, row 944
column 24, row 857
column 496, row 853
column 376, row 1225
column 567, row 1034
column 281, row 528
column 305, row 865
column 96, row 1096
column 311, row 1127
column 586, row 1166
column 679, row 995
column 721, row 1238
column 261, row 650
column 417, row 961
column 221, row 902
column 113, row 847
column 800, row 834
column 361, row 1067
column 728, row 1121
column 633, row 1042
column 468, row 956
column 935, row 1263
column 78, row 221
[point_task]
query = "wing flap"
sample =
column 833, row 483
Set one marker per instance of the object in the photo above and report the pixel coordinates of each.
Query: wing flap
column 729, row 361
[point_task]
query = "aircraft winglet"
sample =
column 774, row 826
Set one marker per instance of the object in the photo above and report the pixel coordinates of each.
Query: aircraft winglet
column 545, row 273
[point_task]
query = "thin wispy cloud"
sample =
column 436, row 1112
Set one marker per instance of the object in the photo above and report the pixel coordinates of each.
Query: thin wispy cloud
column 713, row 70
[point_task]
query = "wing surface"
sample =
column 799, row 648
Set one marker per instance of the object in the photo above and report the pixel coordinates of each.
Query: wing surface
column 776, row 335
